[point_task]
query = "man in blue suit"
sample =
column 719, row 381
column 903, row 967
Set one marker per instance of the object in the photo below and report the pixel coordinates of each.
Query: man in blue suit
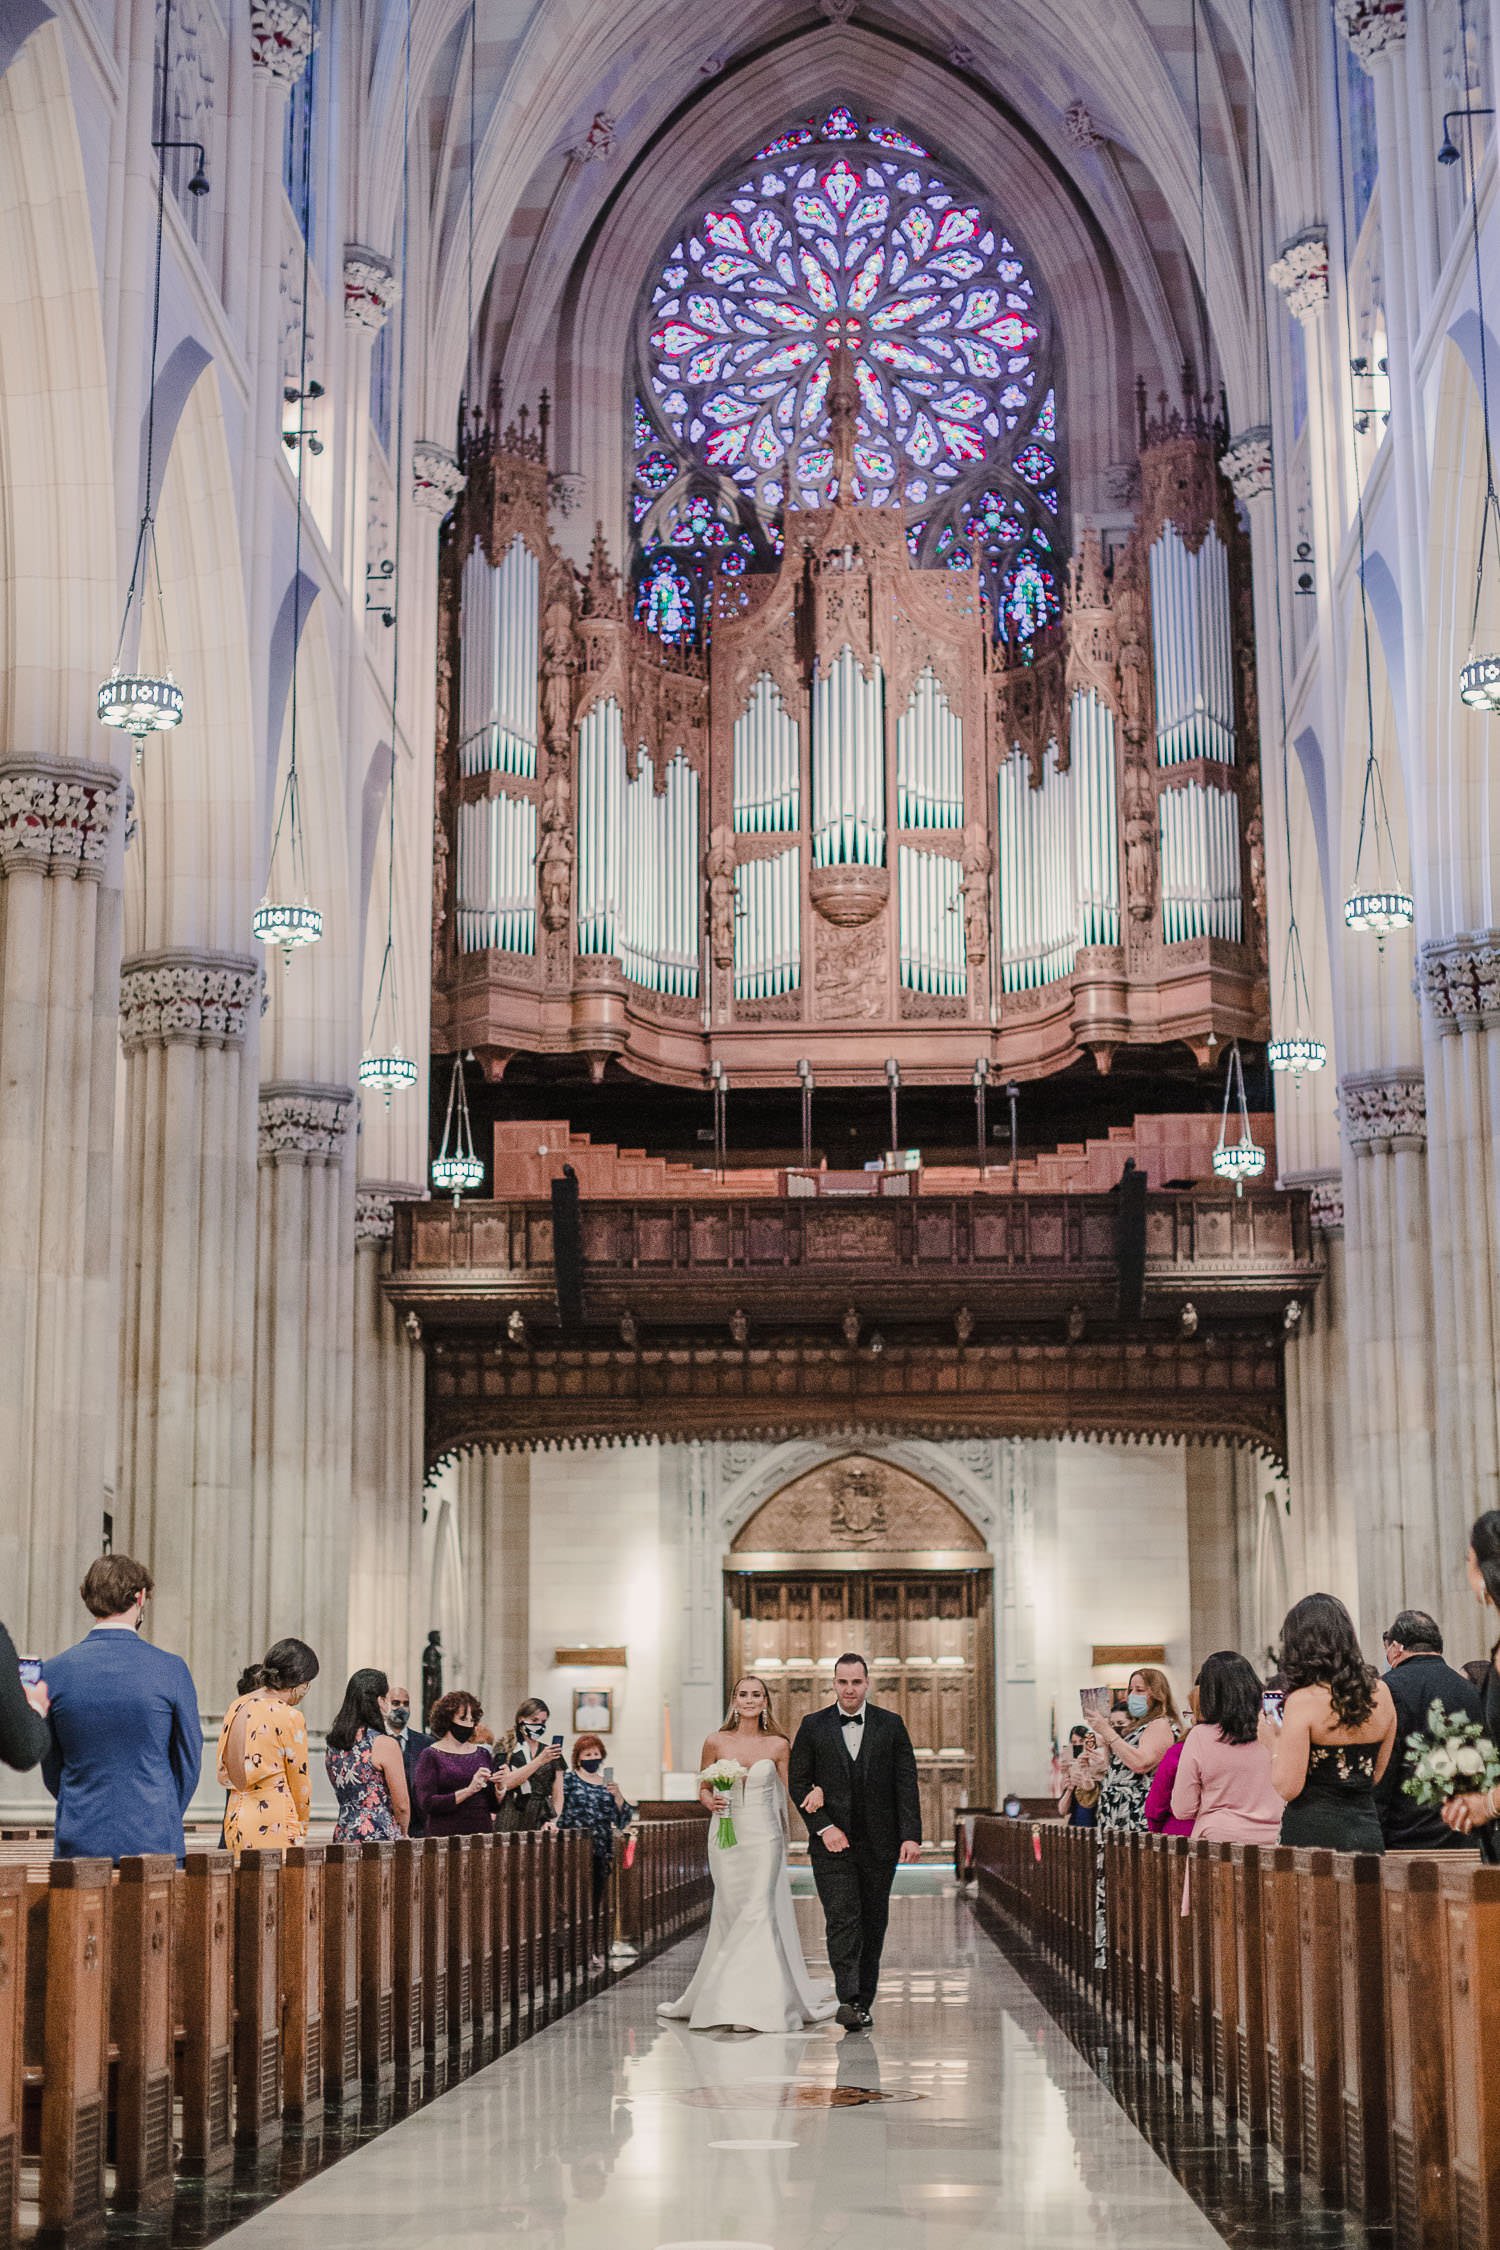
column 127, row 1744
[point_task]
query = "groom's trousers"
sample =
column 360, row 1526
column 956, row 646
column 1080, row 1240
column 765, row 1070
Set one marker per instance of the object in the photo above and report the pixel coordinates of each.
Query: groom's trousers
column 855, row 1890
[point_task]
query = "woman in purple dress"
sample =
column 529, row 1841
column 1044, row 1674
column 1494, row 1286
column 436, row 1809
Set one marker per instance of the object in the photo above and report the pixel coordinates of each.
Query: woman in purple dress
column 455, row 1785
column 365, row 1765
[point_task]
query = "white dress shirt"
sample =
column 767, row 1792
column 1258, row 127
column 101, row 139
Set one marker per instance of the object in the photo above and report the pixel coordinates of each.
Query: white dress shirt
column 853, row 1735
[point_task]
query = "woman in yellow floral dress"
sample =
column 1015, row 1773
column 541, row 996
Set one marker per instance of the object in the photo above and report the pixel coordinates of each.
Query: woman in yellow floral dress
column 263, row 1752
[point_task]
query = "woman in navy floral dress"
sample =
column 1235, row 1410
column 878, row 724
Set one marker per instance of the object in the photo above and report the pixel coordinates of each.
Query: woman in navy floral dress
column 597, row 1807
column 365, row 1765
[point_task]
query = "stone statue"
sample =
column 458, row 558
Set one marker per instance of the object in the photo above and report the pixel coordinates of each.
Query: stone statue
column 1140, row 843
column 432, row 1672
column 975, row 890
column 719, row 868
column 555, row 874
column 559, row 662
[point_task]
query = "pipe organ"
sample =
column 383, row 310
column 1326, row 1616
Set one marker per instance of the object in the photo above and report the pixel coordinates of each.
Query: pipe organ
column 848, row 822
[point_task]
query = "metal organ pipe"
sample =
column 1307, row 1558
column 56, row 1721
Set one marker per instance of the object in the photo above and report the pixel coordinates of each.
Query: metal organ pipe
column 929, row 759
column 1200, row 864
column 848, row 765
column 1192, row 649
column 767, row 761
column 931, row 921
column 1039, row 890
column 601, row 781
column 498, row 663
column 656, row 854
column 497, row 876
column 767, row 929
column 1096, row 834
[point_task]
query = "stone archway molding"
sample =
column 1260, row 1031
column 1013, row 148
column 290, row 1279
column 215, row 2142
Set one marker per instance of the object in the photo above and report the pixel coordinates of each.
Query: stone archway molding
column 965, row 1473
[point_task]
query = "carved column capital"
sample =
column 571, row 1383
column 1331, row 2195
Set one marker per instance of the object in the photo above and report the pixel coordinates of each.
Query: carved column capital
column 436, row 478
column 1458, row 982
column 56, row 817
column 1372, row 27
column 375, row 1207
column 1326, row 1191
column 1384, row 1110
column 304, row 1124
column 1301, row 273
column 1247, row 464
column 371, row 287
column 189, row 999
column 281, row 37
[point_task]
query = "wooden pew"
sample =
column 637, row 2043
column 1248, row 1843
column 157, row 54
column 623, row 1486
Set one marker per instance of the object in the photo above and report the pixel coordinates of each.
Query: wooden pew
column 142, row 2025
column 459, row 1953
column 503, row 1907
column 203, row 1959
column 1250, row 1974
column 434, row 1850
column 1417, row 2000
column 1281, row 1955
column 12, row 2047
column 377, row 1965
column 1321, row 2012
column 1470, row 1896
column 408, row 1957
column 302, row 1982
column 257, row 1992
column 72, row 1934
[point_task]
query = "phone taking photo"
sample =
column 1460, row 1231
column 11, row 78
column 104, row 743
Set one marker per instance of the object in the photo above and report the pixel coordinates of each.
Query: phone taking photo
column 30, row 1668
column 1270, row 1702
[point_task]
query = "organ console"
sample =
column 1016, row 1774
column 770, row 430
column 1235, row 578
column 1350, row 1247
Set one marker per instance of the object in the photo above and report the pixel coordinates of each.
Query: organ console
column 848, row 822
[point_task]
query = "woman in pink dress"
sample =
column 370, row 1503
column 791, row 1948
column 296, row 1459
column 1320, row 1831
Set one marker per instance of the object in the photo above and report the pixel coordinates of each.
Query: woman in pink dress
column 1223, row 1785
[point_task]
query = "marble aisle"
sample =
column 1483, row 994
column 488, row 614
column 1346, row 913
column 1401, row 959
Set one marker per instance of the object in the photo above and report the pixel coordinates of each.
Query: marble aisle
column 966, row 2117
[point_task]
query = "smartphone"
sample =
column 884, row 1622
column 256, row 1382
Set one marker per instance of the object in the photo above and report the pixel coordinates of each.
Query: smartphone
column 1270, row 1703
column 557, row 1742
column 30, row 1668
column 606, row 1773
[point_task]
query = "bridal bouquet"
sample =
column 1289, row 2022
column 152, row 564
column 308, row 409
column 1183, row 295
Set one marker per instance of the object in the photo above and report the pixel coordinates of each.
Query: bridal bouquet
column 1455, row 1757
column 721, row 1778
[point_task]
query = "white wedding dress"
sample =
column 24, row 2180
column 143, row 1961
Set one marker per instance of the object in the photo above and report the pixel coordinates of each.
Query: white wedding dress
column 752, row 1976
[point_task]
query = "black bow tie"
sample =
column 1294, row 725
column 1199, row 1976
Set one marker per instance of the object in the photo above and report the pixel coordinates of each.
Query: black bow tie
column 852, row 1718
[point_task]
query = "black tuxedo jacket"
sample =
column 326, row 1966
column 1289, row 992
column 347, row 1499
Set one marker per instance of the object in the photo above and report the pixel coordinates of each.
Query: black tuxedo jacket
column 873, row 1798
column 413, row 1743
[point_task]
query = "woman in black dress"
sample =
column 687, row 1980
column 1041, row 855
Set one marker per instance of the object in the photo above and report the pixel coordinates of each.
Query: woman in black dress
column 1337, row 1731
column 1479, row 1809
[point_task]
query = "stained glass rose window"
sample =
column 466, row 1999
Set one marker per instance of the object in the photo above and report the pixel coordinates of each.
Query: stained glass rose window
column 839, row 227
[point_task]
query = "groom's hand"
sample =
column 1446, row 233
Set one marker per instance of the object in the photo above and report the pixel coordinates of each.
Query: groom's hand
column 834, row 1839
column 813, row 1801
column 910, row 1854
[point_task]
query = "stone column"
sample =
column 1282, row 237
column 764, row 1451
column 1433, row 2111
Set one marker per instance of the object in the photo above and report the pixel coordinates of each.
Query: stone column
column 494, row 1536
column 387, row 1615
column 60, row 858
column 301, row 1519
column 1323, row 1541
column 1389, row 1263
column 187, row 1291
column 1458, row 980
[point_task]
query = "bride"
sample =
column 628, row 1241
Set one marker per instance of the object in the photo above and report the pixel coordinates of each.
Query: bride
column 752, row 1976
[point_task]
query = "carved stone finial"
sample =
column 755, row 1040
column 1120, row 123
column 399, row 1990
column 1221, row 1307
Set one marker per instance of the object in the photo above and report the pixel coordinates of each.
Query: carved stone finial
column 1372, row 27
column 436, row 478
column 281, row 37
column 56, row 817
column 1301, row 273
column 371, row 287
column 601, row 585
column 187, row 999
column 1247, row 463
column 565, row 491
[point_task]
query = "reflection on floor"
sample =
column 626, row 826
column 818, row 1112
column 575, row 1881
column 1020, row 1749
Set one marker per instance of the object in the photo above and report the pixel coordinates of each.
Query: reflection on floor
column 966, row 2117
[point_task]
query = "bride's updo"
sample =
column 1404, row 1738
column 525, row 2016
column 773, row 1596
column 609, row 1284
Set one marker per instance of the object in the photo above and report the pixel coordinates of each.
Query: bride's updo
column 767, row 1722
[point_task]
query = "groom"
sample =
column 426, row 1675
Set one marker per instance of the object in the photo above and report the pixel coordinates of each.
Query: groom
column 854, row 1780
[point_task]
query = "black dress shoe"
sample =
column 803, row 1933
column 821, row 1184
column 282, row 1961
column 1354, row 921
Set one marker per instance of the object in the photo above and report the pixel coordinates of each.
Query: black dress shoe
column 851, row 2017
column 865, row 2017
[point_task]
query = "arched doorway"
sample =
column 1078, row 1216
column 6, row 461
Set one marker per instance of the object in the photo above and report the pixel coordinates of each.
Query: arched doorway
column 860, row 1554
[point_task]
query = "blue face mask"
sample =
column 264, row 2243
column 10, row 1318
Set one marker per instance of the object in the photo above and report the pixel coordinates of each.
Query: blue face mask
column 590, row 1765
column 1137, row 1705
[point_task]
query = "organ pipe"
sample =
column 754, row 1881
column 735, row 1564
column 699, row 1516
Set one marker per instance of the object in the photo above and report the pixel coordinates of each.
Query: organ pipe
column 498, row 671
column 932, row 924
column 497, row 876
column 768, row 926
column 1192, row 649
column 1200, row 864
column 929, row 759
column 1037, row 874
column 767, row 764
column 601, row 784
column 848, row 765
column 1096, row 837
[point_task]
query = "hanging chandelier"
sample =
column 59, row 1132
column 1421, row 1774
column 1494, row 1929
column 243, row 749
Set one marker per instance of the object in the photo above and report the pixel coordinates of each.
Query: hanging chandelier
column 286, row 925
column 392, row 1073
column 143, row 703
column 1479, row 675
column 1296, row 1056
column 456, row 1170
column 1243, row 1159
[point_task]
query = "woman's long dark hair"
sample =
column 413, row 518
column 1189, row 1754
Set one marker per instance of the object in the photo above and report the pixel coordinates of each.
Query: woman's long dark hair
column 359, row 1709
column 286, row 1664
column 1229, row 1695
column 1320, row 1648
column 1485, row 1541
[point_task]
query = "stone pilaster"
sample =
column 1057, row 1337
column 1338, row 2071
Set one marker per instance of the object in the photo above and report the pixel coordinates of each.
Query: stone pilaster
column 301, row 1518
column 187, row 1294
column 386, row 1610
column 60, row 854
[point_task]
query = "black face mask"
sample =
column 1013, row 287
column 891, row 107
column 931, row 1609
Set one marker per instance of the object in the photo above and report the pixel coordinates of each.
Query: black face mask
column 461, row 1729
column 589, row 1765
column 398, row 1715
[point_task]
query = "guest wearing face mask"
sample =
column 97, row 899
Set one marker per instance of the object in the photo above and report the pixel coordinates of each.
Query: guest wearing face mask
column 411, row 1742
column 533, row 1781
column 456, row 1787
column 598, row 1807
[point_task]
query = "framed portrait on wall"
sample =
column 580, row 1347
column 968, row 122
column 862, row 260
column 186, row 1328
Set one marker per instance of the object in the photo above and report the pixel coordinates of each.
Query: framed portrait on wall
column 593, row 1710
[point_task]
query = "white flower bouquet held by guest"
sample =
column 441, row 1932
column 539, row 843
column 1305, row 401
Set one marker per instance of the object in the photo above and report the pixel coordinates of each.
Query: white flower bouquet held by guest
column 716, row 1789
column 1453, row 1758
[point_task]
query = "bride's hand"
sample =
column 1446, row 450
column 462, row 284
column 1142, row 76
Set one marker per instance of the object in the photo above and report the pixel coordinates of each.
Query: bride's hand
column 813, row 1801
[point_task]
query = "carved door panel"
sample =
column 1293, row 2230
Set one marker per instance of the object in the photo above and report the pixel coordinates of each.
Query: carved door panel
column 883, row 1640
column 833, row 1619
column 887, row 1687
column 921, row 1711
column 765, row 1626
column 955, row 1712
column 799, row 1645
column 801, row 1695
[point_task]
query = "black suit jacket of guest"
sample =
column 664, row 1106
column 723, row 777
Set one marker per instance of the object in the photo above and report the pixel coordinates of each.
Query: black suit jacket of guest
column 1416, row 1684
column 413, row 1743
column 873, row 1798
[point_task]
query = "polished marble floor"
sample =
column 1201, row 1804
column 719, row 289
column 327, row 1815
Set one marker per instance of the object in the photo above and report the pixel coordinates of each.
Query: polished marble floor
column 965, row 2118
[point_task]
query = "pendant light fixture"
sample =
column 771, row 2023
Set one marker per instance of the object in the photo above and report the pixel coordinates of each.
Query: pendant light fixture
column 385, row 1064
column 140, row 702
column 1479, row 676
column 456, row 1170
column 1378, row 902
column 1294, row 1052
column 1243, row 1159
column 285, row 917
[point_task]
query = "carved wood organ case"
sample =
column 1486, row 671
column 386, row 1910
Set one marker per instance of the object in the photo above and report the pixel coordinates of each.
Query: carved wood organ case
column 846, row 821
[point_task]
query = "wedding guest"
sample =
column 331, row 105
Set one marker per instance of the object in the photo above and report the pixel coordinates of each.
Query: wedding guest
column 1417, row 1678
column 262, row 1756
column 127, row 1743
column 1136, row 1741
column 1479, row 1808
column 1161, row 1820
column 533, row 1794
column 365, row 1766
column 412, row 1743
column 456, row 1788
column 23, row 1711
column 597, row 1807
column 1223, row 1791
column 1081, row 1769
column 1337, row 1729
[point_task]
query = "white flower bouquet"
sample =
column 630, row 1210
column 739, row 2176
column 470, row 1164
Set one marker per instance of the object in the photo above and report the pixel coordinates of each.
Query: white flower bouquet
column 1454, row 1757
column 721, row 1778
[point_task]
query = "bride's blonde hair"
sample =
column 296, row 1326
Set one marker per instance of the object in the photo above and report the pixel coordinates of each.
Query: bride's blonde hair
column 767, row 1723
